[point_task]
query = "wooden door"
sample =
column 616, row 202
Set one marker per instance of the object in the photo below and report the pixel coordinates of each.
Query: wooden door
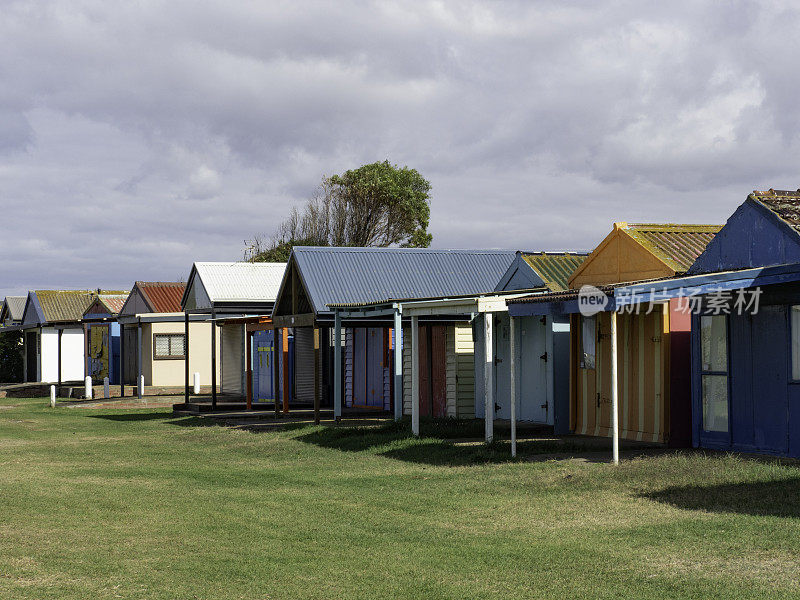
column 438, row 361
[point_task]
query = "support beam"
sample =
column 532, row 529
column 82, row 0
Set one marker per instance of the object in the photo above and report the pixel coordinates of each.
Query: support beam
column 488, row 376
column 139, row 386
column 317, row 375
column 286, row 358
column 213, row 361
column 398, row 363
column 121, row 360
column 248, row 365
column 614, row 390
column 415, row 375
column 513, row 371
column 337, row 366
column 186, row 357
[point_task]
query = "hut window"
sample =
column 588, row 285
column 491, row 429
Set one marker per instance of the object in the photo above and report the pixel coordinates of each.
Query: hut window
column 588, row 339
column 169, row 345
column 714, row 373
column 796, row 342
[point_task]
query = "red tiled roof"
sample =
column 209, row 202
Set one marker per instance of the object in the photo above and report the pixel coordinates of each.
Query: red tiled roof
column 162, row 296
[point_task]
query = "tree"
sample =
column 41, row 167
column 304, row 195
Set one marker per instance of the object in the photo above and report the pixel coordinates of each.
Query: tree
column 378, row 204
column 11, row 357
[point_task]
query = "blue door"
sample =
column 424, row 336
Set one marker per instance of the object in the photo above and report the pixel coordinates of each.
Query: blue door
column 263, row 366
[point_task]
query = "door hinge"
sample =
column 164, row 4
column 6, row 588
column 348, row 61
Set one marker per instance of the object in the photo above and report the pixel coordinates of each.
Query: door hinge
column 497, row 360
column 497, row 408
column 598, row 399
column 656, row 339
column 544, row 406
column 544, row 357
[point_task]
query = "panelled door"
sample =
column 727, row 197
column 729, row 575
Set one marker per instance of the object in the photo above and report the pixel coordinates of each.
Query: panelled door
column 433, row 371
column 532, row 361
column 263, row 366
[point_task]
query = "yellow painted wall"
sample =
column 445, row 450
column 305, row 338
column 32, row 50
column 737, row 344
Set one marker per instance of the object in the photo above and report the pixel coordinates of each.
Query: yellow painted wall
column 643, row 346
column 168, row 373
column 617, row 259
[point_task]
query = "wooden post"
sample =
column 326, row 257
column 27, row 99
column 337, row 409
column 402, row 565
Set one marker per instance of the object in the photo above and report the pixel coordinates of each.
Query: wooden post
column 513, row 369
column 285, row 350
column 614, row 390
column 316, row 376
column 415, row 375
column 186, row 356
column 337, row 366
column 488, row 376
column 276, row 367
column 121, row 360
column 139, row 386
column 213, row 362
column 60, row 332
column 248, row 341
column 398, row 363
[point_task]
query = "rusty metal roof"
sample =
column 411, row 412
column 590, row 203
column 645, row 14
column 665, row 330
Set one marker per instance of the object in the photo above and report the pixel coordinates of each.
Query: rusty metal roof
column 112, row 302
column 555, row 268
column 162, row 296
column 785, row 204
column 676, row 244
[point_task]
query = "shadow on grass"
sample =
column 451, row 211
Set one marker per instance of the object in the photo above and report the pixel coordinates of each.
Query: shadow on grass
column 779, row 498
column 166, row 417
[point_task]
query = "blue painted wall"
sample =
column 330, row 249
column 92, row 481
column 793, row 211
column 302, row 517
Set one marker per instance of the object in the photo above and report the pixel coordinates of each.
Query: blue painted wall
column 753, row 237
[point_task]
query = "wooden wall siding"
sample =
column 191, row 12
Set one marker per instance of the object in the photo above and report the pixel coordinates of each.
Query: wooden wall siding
column 304, row 364
column 348, row 366
column 752, row 237
column 464, row 349
column 406, row 370
column 643, row 391
column 619, row 258
column 450, row 372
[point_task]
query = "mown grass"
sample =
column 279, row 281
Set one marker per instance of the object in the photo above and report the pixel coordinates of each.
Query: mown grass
column 135, row 504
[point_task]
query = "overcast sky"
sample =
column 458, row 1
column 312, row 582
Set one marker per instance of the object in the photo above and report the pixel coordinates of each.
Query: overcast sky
column 138, row 137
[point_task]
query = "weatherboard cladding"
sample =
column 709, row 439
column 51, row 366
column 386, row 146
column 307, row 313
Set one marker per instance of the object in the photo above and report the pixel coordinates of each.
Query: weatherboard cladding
column 356, row 275
column 675, row 244
column 555, row 268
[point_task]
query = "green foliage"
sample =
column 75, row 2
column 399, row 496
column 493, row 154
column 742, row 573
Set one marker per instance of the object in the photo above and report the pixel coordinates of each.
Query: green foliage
column 378, row 205
column 11, row 367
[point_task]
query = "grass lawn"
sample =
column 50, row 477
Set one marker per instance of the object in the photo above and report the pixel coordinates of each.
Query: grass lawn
column 107, row 503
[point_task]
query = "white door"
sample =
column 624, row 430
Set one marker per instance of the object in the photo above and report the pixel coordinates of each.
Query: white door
column 532, row 360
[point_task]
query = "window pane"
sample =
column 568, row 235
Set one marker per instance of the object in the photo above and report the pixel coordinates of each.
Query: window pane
column 176, row 345
column 588, row 338
column 715, row 403
column 162, row 345
column 714, row 342
column 796, row 342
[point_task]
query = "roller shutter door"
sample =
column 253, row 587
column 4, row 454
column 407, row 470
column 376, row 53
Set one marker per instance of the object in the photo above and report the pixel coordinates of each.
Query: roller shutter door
column 304, row 364
column 232, row 359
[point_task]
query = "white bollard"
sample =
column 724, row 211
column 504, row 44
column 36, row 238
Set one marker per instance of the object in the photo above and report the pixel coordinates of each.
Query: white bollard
column 87, row 387
column 141, row 385
column 52, row 396
column 196, row 384
column 106, row 390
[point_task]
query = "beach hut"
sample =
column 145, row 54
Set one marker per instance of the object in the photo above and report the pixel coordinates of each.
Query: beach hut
column 54, row 339
column 653, row 344
column 235, row 296
column 12, row 310
column 743, row 293
column 101, row 337
column 153, row 337
column 319, row 279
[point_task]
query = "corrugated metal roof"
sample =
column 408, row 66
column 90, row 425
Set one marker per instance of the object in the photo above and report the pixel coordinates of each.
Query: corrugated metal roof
column 113, row 302
column 162, row 296
column 241, row 281
column 677, row 245
column 555, row 268
column 365, row 275
column 15, row 306
column 785, row 204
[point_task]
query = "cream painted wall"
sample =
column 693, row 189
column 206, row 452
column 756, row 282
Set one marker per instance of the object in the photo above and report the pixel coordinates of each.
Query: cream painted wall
column 171, row 372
